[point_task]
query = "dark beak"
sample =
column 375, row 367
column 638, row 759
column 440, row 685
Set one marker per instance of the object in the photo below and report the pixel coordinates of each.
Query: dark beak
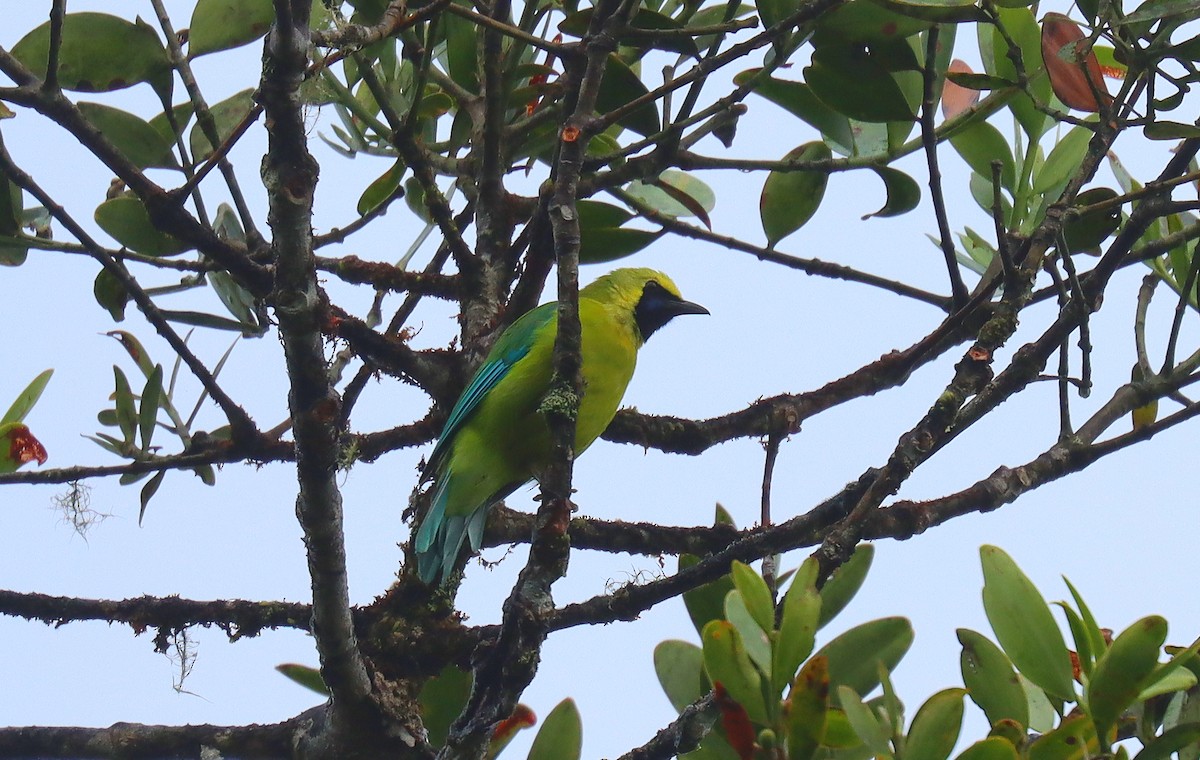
column 685, row 307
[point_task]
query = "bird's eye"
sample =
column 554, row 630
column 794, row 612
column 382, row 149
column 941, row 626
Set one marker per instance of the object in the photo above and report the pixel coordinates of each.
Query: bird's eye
column 653, row 288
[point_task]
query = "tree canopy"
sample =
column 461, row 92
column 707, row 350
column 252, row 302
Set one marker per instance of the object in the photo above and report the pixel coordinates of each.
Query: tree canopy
column 310, row 188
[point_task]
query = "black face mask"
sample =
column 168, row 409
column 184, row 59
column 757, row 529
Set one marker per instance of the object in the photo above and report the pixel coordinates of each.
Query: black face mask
column 658, row 306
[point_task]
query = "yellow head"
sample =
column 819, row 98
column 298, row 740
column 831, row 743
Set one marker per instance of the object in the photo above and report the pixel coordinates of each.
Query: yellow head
column 650, row 296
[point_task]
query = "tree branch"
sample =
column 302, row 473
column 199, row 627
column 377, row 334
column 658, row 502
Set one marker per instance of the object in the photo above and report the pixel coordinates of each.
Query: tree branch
column 290, row 175
column 136, row 741
column 239, row 619
column 683, row 734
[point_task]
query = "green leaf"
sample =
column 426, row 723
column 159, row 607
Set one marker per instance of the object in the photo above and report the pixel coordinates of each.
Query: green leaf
column 206, row 474
column 1064, row 160
column 111, row 294
column 620, row 86
column 871, row 139
column 1024, row 626
column 991, row 748
column 382, row 189
column 798, row 99
column 1163, row 680
column 1087, row 230
column 126, row 411
column 681, row 191
column 938, row 11
column 106, row 442
column 135, row 349
column 857, row 85
column 676, row 193
column 442, row 698
column 200, row 319
column 130, row 478
column 726, row 661
column 12, row 252
column 227, row 114
column 461, row 61
column 1042, row 715
column 140, row 142
column 576, row 24
column 148, row 412
column 128, row 222
column 561, row 734
column 807, row 718
column 1153, row 10
column 1169, row 742
column 148, row 492
column 1170, row 130
column 309, row 678
column 990, row 679
column 238, row 300
column 755, row 595
column 612, row 243
column 797, row 628
column 223, row 24
column 1074, row 739
column 182, row 113
column 980, row 144
column 1083, row 650
column 595, row 215
column 790, row 198
column 27, row 398
column 855, row 656
column 1122, row 669
column 1027, row 33
column 845, row 582
column 704, row 603
column 865, row 723
column 903, row 192
column 936, row 726
column 1169, row 683
column 771, row 12
column 756, row 641
column 972, row 81
column 680, row 669
column 99, row 53
column 866, row 21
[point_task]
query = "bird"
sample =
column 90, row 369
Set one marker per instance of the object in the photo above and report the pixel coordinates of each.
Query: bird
column 495, row 440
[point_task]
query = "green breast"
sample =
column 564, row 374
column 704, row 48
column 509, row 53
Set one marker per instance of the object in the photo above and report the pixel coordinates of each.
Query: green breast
column 507, row 442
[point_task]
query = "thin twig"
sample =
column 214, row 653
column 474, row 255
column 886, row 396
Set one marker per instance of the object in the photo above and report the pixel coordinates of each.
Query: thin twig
column 770, row 564
column 810, row 266
column 58, row 12
column 958, row 288
column 558, row 49
column 205, row 119
column 1186, row 295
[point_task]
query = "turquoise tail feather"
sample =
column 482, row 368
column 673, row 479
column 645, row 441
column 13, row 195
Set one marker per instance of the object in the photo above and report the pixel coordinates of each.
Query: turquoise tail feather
column 440, row 538
column 432, row 536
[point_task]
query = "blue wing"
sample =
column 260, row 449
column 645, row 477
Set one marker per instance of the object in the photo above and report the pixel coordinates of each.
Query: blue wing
column 512, row 345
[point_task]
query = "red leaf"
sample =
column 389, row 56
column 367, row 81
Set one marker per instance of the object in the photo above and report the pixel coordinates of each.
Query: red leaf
column 738, row 731
column 23, row 447
column 522, row 717
column 955, row 97
column 1071, row 64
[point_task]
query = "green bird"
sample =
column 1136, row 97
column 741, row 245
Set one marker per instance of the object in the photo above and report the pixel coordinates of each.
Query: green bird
column 496, row 441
